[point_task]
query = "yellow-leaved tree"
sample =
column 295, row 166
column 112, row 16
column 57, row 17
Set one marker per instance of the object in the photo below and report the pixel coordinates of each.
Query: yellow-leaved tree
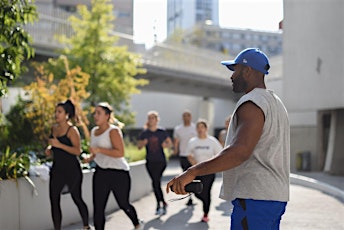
column 94, row 47
column 46, row 92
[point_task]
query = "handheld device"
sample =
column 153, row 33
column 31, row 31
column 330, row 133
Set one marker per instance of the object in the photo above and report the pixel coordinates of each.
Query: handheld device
column 195, row 186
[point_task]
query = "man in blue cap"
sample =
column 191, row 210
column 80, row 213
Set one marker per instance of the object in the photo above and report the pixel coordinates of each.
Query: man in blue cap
column 256, row 158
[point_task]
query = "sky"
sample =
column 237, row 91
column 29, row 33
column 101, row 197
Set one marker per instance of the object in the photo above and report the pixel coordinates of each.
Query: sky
column 150, row 17
column 252, row 14
column 148, row 20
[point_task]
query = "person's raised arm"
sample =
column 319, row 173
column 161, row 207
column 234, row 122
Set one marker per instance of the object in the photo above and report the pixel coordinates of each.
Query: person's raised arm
column 176, row 145
column 142, row 143
column 167, row 143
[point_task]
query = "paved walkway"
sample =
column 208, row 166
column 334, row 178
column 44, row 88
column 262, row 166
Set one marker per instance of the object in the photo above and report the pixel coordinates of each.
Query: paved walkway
column 308, row 209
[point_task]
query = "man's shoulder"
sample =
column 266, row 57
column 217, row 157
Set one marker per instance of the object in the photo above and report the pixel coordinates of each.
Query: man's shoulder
column 179, row 127
column 257, row 96
column 212, row 138
column 193, row 140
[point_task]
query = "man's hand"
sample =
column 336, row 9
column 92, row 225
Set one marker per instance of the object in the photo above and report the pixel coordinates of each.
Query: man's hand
column 178, row 183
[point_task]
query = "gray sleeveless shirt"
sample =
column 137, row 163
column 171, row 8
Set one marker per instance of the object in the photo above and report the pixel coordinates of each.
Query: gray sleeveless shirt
column 265, row 175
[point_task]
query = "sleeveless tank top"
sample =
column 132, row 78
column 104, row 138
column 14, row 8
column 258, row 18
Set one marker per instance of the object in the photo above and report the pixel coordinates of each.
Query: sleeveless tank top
column 265, row 175
column 62, row 160
column 103, row 141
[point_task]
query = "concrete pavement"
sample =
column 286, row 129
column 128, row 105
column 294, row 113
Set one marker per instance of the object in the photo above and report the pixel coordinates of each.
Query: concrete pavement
column 309, row 208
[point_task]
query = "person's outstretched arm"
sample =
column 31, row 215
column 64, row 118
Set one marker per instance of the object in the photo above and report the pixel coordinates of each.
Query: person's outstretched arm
column 250, row 126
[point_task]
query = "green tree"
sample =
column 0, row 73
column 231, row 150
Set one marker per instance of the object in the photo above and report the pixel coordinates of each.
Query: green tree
column 14, row 40
column 46, row 92
column 112, row 68
column 177, row 37
column 20, row 132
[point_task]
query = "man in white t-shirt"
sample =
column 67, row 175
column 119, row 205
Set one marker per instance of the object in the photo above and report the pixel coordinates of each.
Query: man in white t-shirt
column 181, row 136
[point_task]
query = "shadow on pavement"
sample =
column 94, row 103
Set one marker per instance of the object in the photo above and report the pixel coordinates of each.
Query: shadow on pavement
column 225, row 208
column 183, row 216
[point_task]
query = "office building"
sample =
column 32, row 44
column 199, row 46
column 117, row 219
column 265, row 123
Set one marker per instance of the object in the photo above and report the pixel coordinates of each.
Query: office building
column 232, row 41
column 185, row 14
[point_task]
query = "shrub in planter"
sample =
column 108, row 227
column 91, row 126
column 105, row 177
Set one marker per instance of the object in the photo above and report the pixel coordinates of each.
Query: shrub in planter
column 15, row 165
column 18, row 127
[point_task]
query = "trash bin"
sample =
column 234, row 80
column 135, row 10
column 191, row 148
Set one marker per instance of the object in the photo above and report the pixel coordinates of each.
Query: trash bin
column 303, row 161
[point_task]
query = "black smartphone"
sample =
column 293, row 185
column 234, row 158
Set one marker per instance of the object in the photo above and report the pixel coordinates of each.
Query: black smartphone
column 195, row 186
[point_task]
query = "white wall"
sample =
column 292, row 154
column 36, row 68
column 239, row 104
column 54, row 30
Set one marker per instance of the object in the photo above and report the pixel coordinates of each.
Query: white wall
column 11, row 98
column 170, row 108
column 313, row 54
column 20, row 208
column 313, row 70
column 296, row 117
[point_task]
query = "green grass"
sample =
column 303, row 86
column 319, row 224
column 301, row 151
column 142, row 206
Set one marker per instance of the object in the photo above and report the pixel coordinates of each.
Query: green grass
column 132, row 153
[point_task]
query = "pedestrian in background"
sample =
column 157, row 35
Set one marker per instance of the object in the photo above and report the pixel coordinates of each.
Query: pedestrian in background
column 155, row 139
column 181, row 135
column 223, row 133
column 201, row 148
column 65, row 147
column 256, row 157
column 112, row 170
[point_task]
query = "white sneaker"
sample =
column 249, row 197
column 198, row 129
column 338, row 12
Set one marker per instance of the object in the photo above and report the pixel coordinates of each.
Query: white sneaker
column 163, row 210
column 158, row 211
column 141, row 226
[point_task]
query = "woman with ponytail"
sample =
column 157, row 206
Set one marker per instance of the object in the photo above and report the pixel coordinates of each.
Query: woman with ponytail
column 65, row 147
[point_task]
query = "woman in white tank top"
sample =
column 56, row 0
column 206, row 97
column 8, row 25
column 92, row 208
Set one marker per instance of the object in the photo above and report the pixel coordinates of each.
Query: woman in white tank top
column 112, row 170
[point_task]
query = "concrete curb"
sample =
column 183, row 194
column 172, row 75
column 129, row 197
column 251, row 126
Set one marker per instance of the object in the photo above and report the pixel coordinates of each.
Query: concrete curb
column 318, row 185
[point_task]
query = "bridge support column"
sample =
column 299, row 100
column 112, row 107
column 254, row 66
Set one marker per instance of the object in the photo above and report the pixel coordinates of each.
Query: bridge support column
column 206, row 111
column 334, row 155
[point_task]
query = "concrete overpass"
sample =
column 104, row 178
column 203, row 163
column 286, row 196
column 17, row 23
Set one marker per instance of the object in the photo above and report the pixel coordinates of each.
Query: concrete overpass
column 180, row 69
column 175, row 69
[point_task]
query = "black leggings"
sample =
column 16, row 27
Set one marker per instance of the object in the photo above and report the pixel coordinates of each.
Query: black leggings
column 184, row 163
column 56, row 184
column 205, row 195
column 155, row 171
column 117, row 181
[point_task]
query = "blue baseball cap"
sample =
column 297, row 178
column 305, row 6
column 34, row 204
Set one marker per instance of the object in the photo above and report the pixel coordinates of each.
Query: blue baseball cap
column 252, row 57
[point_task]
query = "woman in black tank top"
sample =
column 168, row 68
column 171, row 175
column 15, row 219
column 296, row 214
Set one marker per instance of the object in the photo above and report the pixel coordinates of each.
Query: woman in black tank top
column 64, row 147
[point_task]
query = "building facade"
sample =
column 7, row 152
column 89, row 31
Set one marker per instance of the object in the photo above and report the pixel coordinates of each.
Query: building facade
column 122, row 9
column 232, row 41
column 185, row 14
column 313, row 80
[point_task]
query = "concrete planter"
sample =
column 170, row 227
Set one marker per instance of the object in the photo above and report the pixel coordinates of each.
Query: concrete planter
column 20, row 208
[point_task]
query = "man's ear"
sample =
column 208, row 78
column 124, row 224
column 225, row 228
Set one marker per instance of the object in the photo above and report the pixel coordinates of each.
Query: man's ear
column 247, row 70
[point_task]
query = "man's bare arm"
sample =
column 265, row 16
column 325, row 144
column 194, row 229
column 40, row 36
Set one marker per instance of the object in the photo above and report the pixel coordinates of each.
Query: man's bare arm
column 250, row 126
